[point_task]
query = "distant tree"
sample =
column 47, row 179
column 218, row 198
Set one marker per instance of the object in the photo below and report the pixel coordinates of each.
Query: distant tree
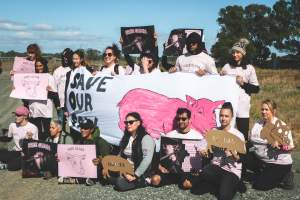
column 93, row 54
column 285, row 18
column 252, row 23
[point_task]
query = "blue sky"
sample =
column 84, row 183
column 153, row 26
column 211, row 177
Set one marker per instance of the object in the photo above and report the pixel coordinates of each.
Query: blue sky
column 57, row 24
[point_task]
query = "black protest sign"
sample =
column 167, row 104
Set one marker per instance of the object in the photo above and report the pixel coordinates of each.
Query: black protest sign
column 37, row 157
column 137, row 39
column 180, row 155
column 175, row 46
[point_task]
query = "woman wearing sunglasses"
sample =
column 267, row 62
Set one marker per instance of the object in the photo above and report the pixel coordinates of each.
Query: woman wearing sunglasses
column 111, row 58
column 138, row 148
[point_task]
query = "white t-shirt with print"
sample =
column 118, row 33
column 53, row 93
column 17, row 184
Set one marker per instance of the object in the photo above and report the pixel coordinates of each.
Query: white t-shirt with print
column 20, row 132
column 249, row 76
column 43, row 108
column 59, row 76
column 110, row 70
column 264, row 151
column 192, row 63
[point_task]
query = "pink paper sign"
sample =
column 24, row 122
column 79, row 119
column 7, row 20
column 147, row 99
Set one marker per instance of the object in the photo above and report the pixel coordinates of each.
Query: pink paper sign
column 30, row 86
column 76, row 160
column 22, row 65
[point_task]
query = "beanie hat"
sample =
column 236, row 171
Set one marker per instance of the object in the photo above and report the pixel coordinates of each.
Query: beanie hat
column 240, row 46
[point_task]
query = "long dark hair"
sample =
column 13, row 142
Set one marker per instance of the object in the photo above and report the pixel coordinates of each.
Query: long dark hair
column 66, row 57
column 80, row 53
column 140, row 132
column 34, row 48
column 44, row 63
column 116, row 51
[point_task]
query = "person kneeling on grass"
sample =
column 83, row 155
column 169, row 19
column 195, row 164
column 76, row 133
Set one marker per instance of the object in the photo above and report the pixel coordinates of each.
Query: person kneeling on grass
column 222, row 176
column 271, row 163
column 18, row 131
column 87, row 129
column 138, row 148
column 57, row 136
column 183, row 131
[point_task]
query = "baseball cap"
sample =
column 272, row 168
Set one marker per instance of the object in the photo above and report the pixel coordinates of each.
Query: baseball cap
column 87, row 124
column 22, row 110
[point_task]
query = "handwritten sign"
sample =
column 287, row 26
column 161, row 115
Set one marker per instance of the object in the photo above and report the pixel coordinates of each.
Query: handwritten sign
column 226, row 140
column 22, row 65
column 76, row 160
column 30, row 86
column 116, row 164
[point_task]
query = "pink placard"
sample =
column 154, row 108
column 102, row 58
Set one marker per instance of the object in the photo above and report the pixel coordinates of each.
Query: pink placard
column 76, row 160
column 30, row 86
column 22, row 65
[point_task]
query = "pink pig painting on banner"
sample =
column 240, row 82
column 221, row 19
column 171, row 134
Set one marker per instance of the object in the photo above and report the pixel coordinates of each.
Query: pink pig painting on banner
column 156, row 97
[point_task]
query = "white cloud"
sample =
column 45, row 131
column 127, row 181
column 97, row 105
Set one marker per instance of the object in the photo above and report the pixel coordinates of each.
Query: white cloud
column 24, row 35
column 42, row 27
column 11, row 26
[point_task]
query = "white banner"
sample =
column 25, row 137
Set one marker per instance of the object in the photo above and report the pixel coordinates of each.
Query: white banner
column 156, row 97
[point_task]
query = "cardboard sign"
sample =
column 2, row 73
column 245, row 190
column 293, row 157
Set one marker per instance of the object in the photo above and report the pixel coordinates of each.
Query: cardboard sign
column 22, row 65
column 225, row 140
column 76, row 160
column 175, row 46
column 37, row 154
column 30, row 86
column 137, row 39
column 276, row 132
column 116, row 164
column 180, row 155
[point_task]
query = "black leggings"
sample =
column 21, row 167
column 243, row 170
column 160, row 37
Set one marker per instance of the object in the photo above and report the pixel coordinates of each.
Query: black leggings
column 213, row 179
column 43, row 125
column 12, row 159
column 267, row 175
column 121, row 184
column 242, row 124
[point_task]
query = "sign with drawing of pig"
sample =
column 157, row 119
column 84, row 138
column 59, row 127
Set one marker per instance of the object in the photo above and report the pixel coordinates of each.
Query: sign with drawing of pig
column 156, row 97
column 30, row 86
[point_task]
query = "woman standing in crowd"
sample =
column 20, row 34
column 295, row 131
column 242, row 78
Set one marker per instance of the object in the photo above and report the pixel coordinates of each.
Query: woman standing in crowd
column 148, row 61
column 272, row 163
column 111, row 58
column 138, row 148
column 78, row 61
column 246, row 78
column 41, row 111
column 59, row 76
column 222, row 176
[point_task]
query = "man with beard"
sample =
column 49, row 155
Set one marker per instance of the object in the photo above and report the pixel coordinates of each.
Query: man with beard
column 195, row 60
column 175, row 175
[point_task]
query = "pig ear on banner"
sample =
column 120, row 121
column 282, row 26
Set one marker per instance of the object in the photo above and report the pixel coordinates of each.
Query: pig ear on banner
column 190, row 100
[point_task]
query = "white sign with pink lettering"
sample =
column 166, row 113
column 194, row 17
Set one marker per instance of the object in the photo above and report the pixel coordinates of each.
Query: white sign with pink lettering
column 156, row 97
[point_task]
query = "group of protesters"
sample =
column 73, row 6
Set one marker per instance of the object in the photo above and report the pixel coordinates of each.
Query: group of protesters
column 223, row 170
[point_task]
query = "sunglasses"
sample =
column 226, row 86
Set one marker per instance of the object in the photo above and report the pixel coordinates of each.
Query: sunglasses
column 181, row 118
column 150, row 61
column 130, row 122
column 107, row 54
column 18, row 115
